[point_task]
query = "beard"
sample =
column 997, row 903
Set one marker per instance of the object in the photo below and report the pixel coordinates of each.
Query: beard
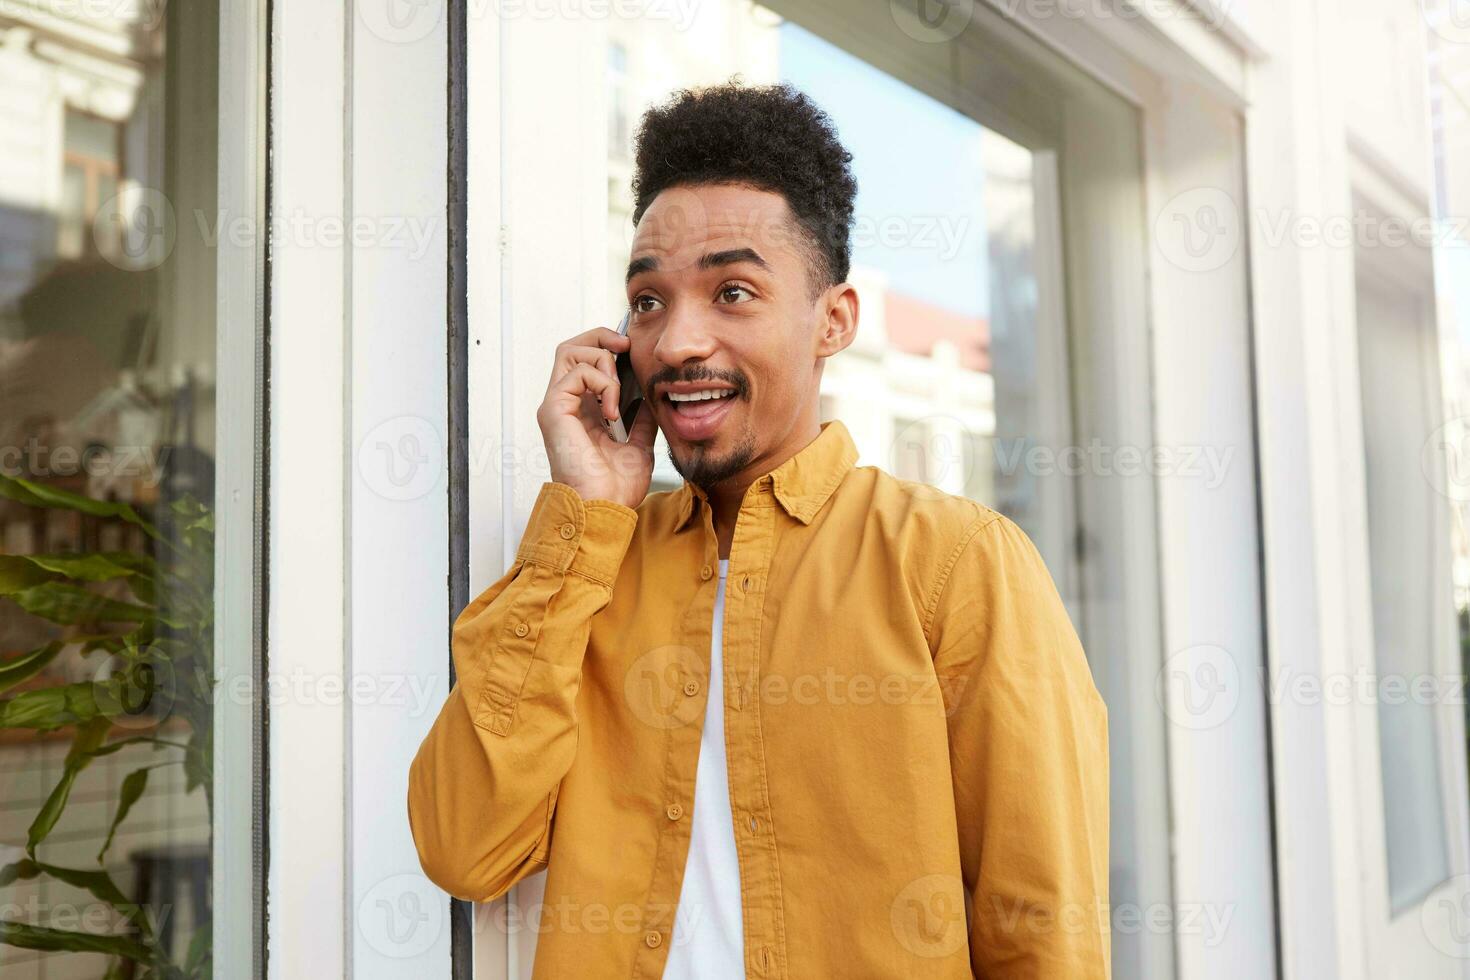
column 706, row 471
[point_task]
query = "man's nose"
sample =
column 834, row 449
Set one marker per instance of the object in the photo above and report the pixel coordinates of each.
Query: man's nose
column 686, row 336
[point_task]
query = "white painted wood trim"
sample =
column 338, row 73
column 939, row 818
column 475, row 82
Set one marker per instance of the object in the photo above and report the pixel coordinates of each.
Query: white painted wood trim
column 307, row 916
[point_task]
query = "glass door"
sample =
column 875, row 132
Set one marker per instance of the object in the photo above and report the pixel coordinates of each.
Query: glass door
column 128, row 475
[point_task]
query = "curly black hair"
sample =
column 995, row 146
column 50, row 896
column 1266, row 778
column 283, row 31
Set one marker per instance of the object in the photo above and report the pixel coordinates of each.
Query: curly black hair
column 770, row 137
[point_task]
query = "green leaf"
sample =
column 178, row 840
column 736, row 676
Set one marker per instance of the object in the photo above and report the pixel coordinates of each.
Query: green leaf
column 88, row 737
column 27, row 665
column 64, row 603
column 196, row 963
column 158, row 743
column 17, row 573
column 61, row 941
column 99, row 883
column 40, row 495
column 133, row 785
column 50, row 708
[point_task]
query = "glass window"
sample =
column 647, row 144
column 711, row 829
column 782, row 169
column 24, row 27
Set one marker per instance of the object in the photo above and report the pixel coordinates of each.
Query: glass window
column 1396, row 357
column 108, row 448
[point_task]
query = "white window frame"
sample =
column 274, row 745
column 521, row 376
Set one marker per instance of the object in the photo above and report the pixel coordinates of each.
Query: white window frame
column 239, row 799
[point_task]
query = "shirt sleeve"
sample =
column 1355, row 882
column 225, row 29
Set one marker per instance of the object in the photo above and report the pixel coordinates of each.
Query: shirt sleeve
column 482, row 789
column 1029, row 754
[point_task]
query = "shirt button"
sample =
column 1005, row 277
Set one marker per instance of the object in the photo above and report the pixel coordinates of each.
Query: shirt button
column 568, row 530
column 753, row 825
column 691, row 688
column 745, row 584
column 706, row 572
column 522, row 629
column 675, row 811
column 653, row 940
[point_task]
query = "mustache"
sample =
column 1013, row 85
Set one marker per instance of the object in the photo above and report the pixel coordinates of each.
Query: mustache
column 734, row 379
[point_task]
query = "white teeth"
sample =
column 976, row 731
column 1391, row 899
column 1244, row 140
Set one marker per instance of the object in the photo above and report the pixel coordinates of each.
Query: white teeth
column 699, row 396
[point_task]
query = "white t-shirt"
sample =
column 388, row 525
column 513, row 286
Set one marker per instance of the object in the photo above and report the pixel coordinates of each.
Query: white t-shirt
column 709, row 936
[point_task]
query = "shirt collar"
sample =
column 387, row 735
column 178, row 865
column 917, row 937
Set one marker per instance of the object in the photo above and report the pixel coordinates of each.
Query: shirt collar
column 802, row 484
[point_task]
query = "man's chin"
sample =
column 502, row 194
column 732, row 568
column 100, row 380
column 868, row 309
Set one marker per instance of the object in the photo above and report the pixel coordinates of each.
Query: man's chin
column 707, row 464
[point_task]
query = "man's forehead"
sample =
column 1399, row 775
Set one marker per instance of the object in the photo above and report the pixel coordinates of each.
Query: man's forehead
column 725, row 218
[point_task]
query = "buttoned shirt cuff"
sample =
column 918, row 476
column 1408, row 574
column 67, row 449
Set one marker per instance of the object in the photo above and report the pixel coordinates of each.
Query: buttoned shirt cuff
column 567, row 533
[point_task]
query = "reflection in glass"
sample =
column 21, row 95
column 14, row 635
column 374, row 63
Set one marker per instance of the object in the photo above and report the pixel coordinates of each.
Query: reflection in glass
column 107, row 341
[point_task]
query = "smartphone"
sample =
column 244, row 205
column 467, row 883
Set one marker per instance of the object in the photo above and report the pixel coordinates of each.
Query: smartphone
column 630, row 395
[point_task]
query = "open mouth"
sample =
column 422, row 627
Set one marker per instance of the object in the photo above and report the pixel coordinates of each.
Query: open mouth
column 695, row 415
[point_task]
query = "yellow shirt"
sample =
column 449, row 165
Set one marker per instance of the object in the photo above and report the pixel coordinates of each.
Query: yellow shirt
column 917, row 752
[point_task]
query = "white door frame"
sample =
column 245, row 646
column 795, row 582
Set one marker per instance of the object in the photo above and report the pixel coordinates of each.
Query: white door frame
column 358, row 621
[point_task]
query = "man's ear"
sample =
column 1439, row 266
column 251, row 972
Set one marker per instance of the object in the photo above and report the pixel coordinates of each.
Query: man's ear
column 838, row 323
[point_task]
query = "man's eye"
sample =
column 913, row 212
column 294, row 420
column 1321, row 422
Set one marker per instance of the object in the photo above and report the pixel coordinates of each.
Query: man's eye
column 725, row 291
column 644, row 304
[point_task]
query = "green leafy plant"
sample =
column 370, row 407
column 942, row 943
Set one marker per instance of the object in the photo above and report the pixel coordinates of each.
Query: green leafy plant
column 154, row 663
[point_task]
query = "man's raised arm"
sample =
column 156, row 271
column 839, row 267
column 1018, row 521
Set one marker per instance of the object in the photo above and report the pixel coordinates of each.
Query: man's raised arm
column 482, row 790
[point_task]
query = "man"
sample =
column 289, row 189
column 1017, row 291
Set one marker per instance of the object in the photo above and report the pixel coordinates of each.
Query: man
column 798, row 718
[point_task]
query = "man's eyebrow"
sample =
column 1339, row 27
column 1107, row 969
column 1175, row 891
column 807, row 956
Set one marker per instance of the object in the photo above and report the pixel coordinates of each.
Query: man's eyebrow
column 731, row 256
column 707, row 261
column 646, row 264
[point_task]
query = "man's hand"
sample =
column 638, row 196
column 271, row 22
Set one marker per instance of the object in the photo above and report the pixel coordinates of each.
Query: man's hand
column 583, row 391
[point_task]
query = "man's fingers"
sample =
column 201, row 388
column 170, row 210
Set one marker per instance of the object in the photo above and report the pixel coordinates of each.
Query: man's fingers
column 585, row 378
column 601, row 358
column 595, row 338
